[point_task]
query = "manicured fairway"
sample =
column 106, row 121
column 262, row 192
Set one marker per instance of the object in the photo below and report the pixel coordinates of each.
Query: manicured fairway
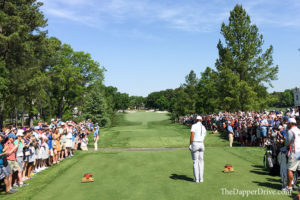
column 143, row 129
column 152, row 174
column 149, row 129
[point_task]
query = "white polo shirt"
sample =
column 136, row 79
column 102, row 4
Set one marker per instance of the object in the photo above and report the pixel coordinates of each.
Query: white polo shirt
column 294, row 139
column 200, row 132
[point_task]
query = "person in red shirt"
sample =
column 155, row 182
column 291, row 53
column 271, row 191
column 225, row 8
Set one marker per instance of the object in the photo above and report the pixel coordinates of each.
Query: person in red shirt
column 10, row 148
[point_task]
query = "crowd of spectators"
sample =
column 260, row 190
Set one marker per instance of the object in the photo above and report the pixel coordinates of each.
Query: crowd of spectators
column 249, row 128
column 275, row 130
column 27, row 151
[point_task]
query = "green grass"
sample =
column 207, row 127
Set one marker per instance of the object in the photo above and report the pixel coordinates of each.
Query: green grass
column 149, row 130
column 143, row 129
column 152, row 174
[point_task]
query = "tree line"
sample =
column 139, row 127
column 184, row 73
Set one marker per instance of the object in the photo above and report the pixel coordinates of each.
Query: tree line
column 242, row 74
column 40, row 77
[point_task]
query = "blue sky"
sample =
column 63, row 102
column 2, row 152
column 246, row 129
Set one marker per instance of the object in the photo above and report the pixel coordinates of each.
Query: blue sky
column 151, row 45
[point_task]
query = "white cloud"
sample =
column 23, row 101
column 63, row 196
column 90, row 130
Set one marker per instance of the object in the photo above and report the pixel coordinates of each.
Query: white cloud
column 276, row 13
column 191, row 16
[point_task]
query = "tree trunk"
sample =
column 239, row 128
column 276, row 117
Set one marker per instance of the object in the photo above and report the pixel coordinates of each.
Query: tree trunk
column 1, row 115
column 22, row 116
column 30, row 115
column 30, row 120
column 60, row 108
column 11, row 118
column 16, row 117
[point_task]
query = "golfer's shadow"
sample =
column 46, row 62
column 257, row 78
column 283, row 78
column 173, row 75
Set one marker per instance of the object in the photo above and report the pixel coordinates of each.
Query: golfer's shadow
column 181, row 177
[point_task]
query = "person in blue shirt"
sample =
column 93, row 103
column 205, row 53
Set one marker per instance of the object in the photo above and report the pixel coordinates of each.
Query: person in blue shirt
column 75, row 134
column 50, row 146
column 96, row 136
column 91, row 126
column 230, row 133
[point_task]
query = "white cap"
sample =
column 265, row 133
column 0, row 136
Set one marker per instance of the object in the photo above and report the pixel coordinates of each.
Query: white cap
column 292, row 120
column 20, row 133
column 52, row 120
column 199, row 118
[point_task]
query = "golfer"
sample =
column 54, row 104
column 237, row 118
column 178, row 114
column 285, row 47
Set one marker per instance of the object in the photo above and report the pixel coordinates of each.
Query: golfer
column 198, row 133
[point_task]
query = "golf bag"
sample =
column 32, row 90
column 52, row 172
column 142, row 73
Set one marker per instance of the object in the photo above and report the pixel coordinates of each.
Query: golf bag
column 275, row 162
column 282, row 160
column 270, row 158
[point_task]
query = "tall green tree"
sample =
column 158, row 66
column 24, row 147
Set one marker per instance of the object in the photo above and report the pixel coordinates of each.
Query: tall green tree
column 96, row 108
column 136, row 101
column 21, row 30
column 151, row 101
column 244, row 69
column 207, row 90
column 122, row 101
column 283, row 99
column 184, row 104
column 71, row 76
column 189, row 86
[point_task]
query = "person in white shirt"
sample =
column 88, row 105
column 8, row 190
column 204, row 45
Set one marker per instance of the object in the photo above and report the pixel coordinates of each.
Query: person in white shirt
column 293, row 139
column 84, row 143
column 69, row 142
column 198, row 133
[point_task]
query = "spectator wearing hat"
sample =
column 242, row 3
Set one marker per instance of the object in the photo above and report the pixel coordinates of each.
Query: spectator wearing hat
column 75, row 134
column 62, row 131
column 264, row 127
column 19, row 143
column 69, row 142
column 84, row 142
column 56, row 147
column 230, row 133
column 44, row 150
column 281, row 134
column 4, row 172
column 198, row 133
column 50, row 147
column 38, row 149
column 53, row 124
column 33, row 155
column 11, row 149
column 293, row 139
column 27, row 153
